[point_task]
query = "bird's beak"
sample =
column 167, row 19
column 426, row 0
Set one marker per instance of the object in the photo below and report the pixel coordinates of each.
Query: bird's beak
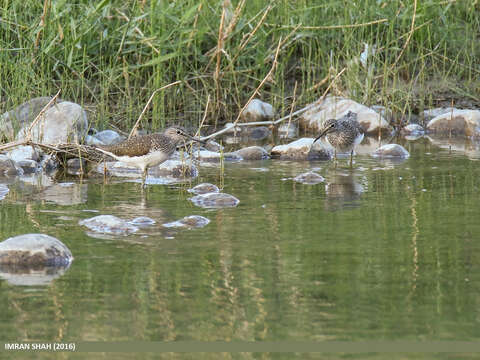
column 203, row 142
column 321, row 135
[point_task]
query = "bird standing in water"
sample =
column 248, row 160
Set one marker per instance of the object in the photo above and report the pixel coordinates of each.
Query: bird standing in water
column 144, row 151
column 342, row 134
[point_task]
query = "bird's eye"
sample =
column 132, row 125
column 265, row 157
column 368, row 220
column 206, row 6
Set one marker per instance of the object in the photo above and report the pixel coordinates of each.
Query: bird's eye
column 179, row 132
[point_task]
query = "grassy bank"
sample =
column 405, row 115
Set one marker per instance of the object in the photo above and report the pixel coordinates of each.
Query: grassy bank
column 111, row 56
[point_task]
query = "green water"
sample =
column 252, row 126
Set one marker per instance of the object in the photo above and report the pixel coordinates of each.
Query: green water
column 388, row 250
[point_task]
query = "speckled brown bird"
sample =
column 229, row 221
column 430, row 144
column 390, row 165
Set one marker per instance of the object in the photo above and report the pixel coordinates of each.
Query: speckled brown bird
column 144, row 151
column 342, row 134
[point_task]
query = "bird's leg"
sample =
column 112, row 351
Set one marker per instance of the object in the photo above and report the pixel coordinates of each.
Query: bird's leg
column 335, row 157
column 144, row 176
column 351, row 159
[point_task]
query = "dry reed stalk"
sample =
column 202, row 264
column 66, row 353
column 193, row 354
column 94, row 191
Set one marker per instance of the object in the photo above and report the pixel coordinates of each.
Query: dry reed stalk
column 410, row 33
column 139, row 32
column 204, row 116
column 293, row 103
column 269, row 74
column 250, row 35
column 42, row 22
column 218, row 54
column 236, row 16
column 298, row 112
column 134, row 129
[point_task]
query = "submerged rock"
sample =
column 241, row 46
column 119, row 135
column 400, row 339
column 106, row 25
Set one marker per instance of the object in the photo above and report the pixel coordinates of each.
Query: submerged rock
column 192, row 221
column 301, row 149
column 76, row 166
column 253, row 153
column 456, row 122
column 333, row 107
column 215, row 200
column 258, row 110
column 34, row 250
column 63, row 122
column 204, row 188
column 258, row 132
column 109, row 224
column 170, row 169
column 28, row 166
column 391, row 151
column 309, row 178
column 142, row 221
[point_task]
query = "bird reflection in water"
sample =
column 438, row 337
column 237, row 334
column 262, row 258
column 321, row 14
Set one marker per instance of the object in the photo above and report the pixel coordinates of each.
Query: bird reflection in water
column 342, row 191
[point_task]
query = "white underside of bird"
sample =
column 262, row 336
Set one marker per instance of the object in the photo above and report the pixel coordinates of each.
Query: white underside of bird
column 142, row 162
column 357, row 141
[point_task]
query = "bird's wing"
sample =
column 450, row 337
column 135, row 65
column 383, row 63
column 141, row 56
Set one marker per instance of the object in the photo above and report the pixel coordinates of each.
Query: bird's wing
column 135, row 146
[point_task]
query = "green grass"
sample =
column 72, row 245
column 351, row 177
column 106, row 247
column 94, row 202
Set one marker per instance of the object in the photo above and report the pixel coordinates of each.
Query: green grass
column 111, row 55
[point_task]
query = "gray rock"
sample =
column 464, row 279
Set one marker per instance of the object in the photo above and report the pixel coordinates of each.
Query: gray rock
column 258, row 110
column 301, row 149
column 204, row 188
column 288, row 130
column 21, row 153
column 109, row 137
column 92, row 140
column 391, row 151
column 213, row 146
column 7, row 167
column 413, row 130
column 457, row 122
column 64, row 122
column 28, row 166
column 215, row 200
column 109, row 224
column 333, row 107
column 309, row 178
column 233, row 129
column 34, row 250
column 49, row 163
column 258, row 132
column 142, row 221
column 210, row 156
column 3, row 191
column 192, row 221
column 383, row 111
column 432, row 113
column 22, row 115
column 253, row 153
column 174, row 169
column 76, row 166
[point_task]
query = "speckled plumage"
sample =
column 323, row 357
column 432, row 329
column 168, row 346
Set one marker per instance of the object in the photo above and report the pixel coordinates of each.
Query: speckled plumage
column 144, row 151
column 343, row 134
